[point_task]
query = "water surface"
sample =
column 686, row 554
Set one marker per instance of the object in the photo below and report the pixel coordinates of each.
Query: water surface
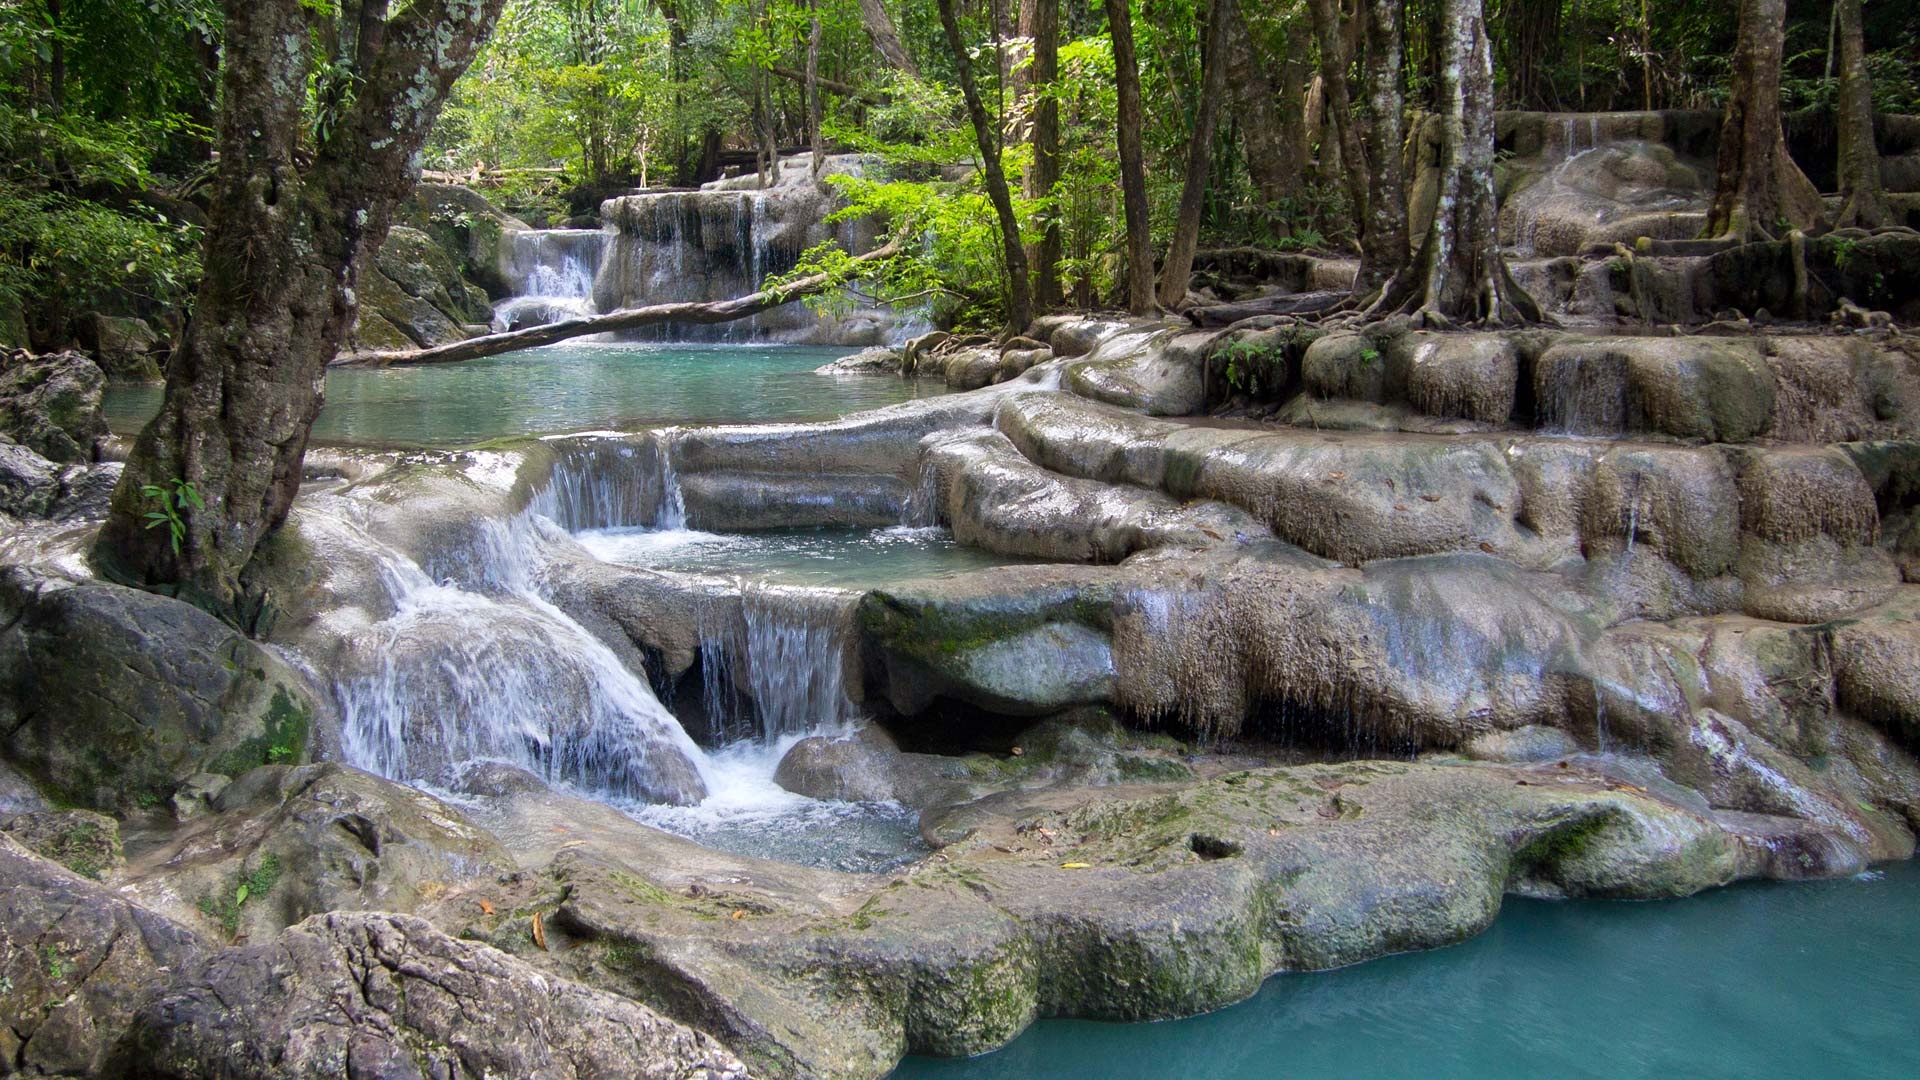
column 840, row 558
column 574, row 386
column 1806, row 980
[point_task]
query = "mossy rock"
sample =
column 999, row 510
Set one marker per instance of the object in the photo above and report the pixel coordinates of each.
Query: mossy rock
column 84, row 842
column 113, row 697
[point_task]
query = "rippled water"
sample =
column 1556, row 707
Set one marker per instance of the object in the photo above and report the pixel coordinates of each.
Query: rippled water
column 574, row 386
column 842, row 558
column 1806, row 980
column 750, row 815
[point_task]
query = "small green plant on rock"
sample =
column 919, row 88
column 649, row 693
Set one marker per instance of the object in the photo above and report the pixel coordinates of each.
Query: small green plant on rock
column 173, row 504
column 225, row 909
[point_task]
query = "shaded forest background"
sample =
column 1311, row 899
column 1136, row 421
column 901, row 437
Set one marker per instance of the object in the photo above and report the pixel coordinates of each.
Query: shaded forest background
column 107, row 107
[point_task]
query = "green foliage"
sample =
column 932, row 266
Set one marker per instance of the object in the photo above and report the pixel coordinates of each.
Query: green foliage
column 225, row 908
column 173, row 500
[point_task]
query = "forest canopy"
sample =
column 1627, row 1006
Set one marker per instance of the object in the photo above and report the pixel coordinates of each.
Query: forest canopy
column 107, row 106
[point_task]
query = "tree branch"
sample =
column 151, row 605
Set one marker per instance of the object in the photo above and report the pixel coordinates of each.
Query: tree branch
column 692, row 311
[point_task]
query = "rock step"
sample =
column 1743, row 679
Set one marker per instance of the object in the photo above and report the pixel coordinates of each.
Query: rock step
column 1809, row 388
column 1705, row 513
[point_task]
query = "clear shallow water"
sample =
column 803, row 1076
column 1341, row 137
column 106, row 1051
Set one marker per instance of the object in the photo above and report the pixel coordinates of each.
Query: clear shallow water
column 1808, row 980
column 747, row 814
column 840, row 558
column 574, row 386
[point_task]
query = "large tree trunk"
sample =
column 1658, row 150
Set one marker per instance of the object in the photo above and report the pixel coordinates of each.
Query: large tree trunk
column 1270, row 117
column 1459, row 275
column 815, row 144
column 1758, row 190
column 1133, row 169
column 1863, row 198
column 1040, row 21
column 879, row 27
column 284, row 248
column 1178, row 268
column 1334, row 60
column 1384, row 241
column 987, row 134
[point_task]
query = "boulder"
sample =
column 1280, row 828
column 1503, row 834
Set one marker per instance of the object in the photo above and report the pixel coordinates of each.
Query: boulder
column 422, row 323
column 281, row 843
column 465, row 225
column 875, row 360
column 423, row 270
column 51, row 405
column 76, row 961
column 80, row 840
column 365, row 995
column 29, row 483
column 1712, row 389
column 125, row 348
column 112, row 697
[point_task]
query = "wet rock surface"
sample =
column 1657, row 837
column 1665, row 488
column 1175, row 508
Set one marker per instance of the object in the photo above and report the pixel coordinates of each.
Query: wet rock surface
column 1547, row 614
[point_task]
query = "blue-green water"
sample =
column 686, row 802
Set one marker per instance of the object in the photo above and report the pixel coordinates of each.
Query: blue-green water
column 573, row 386
column 1816, row 980
column 839, row 558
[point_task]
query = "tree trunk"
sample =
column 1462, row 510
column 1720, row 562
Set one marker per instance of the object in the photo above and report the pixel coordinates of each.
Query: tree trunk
column 283, row 254
column 879, row 27
column 814, row 142
column 1758, row 190
column 1040, row 21
column 1269, row 120
column 1863, row 198
column 1334, row 60
column 690, row 311
column 1133, row 170
column 987, row 134
column 1459, row 275
column 1174, row 274
column 1384, row 241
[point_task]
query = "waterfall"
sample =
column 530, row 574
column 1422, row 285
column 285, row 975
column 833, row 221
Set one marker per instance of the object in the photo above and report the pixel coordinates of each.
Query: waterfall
column 780, row 670
column 552, row 273
column 612, row 484
column 474, row 663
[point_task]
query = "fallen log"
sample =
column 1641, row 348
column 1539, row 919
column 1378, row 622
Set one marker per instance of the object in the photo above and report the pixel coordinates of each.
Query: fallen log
column 693, row 311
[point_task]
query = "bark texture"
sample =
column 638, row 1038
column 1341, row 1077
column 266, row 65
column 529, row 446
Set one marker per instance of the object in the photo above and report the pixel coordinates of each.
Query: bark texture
column 1863, row 198
column 1268, row 115
column 1040, row 22
column 1178, row 268
column 283, row 252
column 1133, row 169
column 1335, row 57
column 1459, row 275
column 879, row 27
column 1384, row 239
column 1759, row 193
column 986, row 135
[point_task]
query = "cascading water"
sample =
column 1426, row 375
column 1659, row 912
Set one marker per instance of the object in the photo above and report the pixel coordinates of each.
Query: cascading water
column 551, row 272
column 772, row 672
column 478, row 665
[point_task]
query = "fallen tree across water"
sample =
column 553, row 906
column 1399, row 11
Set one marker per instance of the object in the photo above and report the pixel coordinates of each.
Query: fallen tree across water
column 690, row 311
